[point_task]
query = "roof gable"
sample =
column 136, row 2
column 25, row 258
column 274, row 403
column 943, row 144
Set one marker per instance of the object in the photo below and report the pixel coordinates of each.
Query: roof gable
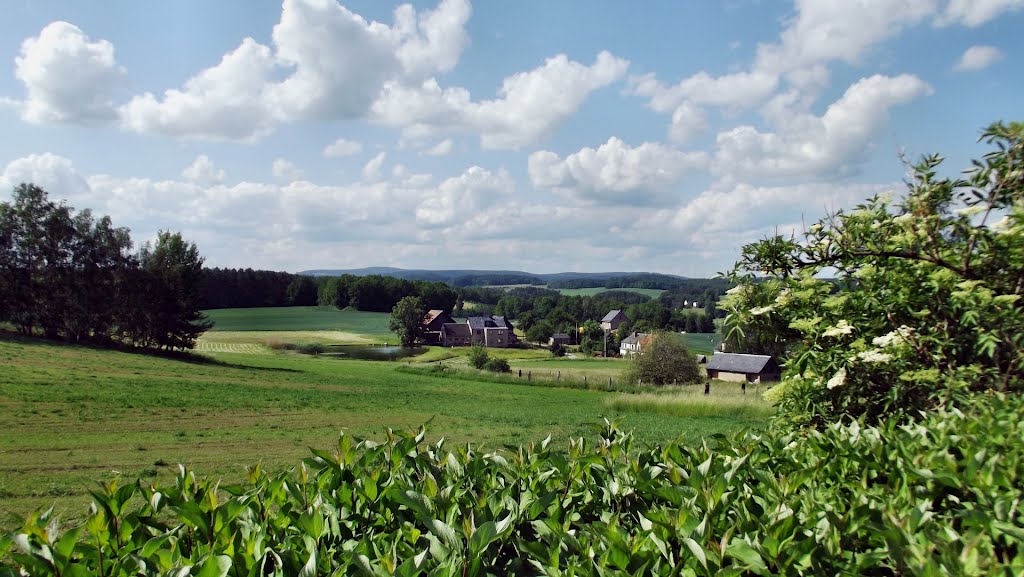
column 611, row 316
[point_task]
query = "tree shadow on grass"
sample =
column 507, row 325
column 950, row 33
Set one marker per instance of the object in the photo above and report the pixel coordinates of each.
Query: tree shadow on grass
column 189, row 357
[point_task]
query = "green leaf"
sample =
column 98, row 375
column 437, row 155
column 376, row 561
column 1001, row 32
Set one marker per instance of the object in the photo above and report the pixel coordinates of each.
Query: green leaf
column 697, row 551
column 215, row 566
column 745, row 554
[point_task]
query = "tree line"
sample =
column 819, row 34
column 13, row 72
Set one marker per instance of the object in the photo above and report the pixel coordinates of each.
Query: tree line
column 70, row 275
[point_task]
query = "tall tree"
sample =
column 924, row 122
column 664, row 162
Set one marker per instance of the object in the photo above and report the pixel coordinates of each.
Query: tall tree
column 664, row 360
column 407, row 320
column 171, row 270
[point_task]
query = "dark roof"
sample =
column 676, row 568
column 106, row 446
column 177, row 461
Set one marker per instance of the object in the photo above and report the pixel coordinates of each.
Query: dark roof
column 476, row 323
column 611, row 316
column 432, row 315
column 702, row 359
column 633, row 338
column 739, row 363
column 560, row 336
column 502, row 322
column 457, row 330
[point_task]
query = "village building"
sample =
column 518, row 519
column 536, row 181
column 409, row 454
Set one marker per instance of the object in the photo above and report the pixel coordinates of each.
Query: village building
column 495, row 332
column 739, row 368
column 559, row 339
column 633, row 344
column 613, row 319
column 433, row 326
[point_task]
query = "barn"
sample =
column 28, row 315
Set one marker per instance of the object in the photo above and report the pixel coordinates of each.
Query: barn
column 739, row 367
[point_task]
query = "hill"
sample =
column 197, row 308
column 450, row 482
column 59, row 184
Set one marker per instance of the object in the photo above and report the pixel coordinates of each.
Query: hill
column 474, row 277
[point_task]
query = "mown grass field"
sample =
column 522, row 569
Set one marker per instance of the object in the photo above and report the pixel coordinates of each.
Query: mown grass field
column 70, row 415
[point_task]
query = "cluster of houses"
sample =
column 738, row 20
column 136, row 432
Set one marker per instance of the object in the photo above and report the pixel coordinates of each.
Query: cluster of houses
column 490, row 331
column 496, row 331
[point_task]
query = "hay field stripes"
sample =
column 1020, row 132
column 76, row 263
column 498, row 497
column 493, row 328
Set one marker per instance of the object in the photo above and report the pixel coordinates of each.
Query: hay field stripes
column 205, row 346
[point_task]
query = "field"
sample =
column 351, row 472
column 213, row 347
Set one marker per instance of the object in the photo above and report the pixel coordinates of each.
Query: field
column 589, row 292
column 70, row 415
column 367, row 324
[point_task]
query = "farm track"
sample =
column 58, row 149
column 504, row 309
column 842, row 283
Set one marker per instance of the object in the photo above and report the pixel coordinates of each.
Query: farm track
column 205, row 346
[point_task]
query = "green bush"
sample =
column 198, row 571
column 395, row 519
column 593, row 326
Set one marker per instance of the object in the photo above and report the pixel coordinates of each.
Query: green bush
column 557, row 350
column 928, row 309
column 312, row 349
column 496, row 365
column 940, row 496
column 477, row 356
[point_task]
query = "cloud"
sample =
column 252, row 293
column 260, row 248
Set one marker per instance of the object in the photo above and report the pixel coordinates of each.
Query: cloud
column 54, row 174
column 528, row 107
column 203, row 171
column 974, row 13
column 372, row 169
column 68, row 78
column 463, row 196
column 285, row 170
column 688, row 122
column 342, row 147
column 325, row 62
column 616, row 172
column 978, row 57
column 443, row 148
column 226, row 102
column 809, row 146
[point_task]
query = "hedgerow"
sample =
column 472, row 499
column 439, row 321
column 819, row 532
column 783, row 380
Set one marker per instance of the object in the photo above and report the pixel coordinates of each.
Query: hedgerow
column 937, row 496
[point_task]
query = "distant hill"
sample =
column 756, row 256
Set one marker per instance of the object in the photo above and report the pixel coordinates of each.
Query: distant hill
column 472, row 277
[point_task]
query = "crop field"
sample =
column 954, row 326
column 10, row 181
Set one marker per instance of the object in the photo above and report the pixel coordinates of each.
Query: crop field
column 702, row 343
column 71, row 415
column 589, row 292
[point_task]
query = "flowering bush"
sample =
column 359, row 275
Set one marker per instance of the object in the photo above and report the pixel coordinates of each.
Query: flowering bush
column 926, row 305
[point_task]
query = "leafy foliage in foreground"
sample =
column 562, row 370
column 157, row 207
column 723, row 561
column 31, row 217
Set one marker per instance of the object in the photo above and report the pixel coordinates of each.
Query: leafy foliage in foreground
column 940, row 496
column 930, row 309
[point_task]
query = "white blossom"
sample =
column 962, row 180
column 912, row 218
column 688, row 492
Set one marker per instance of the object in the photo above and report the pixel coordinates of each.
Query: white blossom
column 874, row 356
column 735, row 290
column 841, row 328
column 893, row 338
column 758, row 311
column 837, row 380
column 904, row 218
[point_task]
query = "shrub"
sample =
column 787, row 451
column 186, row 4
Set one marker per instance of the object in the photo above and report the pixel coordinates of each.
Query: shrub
column 665, row 360
column 477, row 356
column 557, row 350
column 929, row 308
column 496, row 365
column 312, row 349
column 936, row 497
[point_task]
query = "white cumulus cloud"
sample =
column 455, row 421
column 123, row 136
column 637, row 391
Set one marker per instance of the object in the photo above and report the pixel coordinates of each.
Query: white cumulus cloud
column 372, row 169
column 528, row 107
column 443, row 148
column 616, row 172
column 461, row 197
column 203, row 171
column 974, row 13
column 978, row 57
column 68, row 78
column 342, row 147
column 285, row 170
column 826, row 146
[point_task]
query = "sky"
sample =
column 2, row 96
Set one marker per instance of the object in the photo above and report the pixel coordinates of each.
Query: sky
column 533, row 135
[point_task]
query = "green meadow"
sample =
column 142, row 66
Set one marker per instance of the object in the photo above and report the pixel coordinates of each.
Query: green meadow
column 71, row 415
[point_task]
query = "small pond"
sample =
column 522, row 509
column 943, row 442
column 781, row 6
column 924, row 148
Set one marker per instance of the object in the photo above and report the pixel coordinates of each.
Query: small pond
column 371, row 353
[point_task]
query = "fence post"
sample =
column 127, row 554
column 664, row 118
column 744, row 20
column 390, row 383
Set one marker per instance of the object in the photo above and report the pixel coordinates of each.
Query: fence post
column 707, row 387
column 609, row 382
column 529, row 375
column 558, row 375
column 744, row 387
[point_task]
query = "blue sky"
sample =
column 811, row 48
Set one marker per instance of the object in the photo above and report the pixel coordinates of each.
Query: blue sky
column 533, row 135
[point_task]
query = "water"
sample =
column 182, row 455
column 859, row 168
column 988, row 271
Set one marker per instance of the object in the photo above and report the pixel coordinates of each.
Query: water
column 372, row 353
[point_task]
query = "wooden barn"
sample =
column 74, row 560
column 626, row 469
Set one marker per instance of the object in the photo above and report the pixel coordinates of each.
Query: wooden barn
column 739, row 368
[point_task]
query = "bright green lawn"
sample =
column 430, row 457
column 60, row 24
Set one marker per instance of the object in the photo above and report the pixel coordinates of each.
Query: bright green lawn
column 301, row 319
column 702, row 343
column 71, row 415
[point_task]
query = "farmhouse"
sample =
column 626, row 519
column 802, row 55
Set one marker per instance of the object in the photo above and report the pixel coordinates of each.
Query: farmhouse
column 559, row 339
column 738, row 367
column 633, row 344
column 433, row 326
column 613, row 319
column 488, row 331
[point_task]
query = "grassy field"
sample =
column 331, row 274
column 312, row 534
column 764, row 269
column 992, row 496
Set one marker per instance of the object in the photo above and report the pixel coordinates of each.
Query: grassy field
column 70, row 415
column 589, row 292
column 373, row 325
column 702, row 343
